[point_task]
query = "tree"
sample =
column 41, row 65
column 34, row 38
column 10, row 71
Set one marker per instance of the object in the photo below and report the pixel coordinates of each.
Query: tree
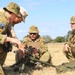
column 47, row 38
column 59, row 39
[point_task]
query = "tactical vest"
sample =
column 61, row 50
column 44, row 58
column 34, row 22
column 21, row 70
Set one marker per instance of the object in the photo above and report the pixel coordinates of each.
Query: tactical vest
column 35, row 44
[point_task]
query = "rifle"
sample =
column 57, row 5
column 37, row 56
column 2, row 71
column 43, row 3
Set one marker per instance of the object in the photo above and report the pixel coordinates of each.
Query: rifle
column 27, row 58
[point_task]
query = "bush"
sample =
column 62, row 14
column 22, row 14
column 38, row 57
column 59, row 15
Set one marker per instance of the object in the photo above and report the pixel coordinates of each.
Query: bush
column 59, row 39
column 47, row 38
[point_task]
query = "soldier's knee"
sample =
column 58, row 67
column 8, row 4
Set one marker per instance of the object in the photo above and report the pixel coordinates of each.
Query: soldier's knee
column 46, row 57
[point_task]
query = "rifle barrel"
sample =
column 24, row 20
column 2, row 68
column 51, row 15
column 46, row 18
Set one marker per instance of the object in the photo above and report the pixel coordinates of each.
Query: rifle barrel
column 33, row 59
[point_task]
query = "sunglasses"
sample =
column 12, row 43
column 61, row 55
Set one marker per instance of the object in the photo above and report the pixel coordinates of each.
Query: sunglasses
column 33, row 33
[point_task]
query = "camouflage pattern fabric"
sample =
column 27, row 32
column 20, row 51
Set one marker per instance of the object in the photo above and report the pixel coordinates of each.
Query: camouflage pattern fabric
column 5, row 29
column 71, row 51
column 66, row 67
column 33, row 29
column 40, row 45
column 14, row 8
column 72, row 20
column 4, row 25
column 1, row 71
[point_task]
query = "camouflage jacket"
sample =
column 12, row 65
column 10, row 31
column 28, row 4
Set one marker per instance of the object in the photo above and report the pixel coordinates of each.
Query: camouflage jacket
column 6, row 29
column 71, row 40
column 39, row 43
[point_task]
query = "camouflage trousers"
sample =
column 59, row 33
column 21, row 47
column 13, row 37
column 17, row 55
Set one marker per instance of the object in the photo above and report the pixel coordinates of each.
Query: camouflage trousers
column 46, row 57
column 2, row 60
column 1, row 71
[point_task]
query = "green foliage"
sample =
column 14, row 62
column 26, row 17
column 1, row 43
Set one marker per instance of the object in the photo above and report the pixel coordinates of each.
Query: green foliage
column 47, row 38
column 59, row 39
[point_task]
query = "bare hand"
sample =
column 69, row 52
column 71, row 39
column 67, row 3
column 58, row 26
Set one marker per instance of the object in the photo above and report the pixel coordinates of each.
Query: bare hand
column 21, row 47
column 17, row 42
column 66, row 47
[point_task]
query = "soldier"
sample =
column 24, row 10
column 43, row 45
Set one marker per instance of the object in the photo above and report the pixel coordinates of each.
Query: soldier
column 69, row 47
column 24, row 14
column 37, row 42
column 9, row 16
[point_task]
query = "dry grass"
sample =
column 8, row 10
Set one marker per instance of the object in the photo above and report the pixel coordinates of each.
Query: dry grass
column 58, row 58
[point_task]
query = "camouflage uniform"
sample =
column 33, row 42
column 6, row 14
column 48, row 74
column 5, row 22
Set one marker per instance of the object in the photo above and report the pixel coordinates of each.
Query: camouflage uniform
column 71, row 51
column 71, row 42
column 5, row 27
column 39, row 44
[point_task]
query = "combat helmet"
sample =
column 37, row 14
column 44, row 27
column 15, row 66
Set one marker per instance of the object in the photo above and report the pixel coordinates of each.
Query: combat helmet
column 72, row 20
column 23, row 13
column 14, row 8
column 33, row 29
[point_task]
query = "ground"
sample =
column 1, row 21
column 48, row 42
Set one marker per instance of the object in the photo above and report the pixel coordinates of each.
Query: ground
column 58, row 58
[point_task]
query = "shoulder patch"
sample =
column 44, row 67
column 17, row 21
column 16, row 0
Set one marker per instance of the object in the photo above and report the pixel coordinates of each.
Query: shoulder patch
column 1, row 25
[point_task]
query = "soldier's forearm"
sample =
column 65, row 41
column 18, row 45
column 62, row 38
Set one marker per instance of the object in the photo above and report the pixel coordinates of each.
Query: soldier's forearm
column 7, row 39
column 12, row 40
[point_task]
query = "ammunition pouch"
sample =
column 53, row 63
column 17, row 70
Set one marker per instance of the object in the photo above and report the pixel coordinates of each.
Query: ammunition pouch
column 7, row 47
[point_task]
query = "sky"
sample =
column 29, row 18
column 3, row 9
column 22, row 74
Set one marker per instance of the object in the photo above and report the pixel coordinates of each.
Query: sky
column 52, row 17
